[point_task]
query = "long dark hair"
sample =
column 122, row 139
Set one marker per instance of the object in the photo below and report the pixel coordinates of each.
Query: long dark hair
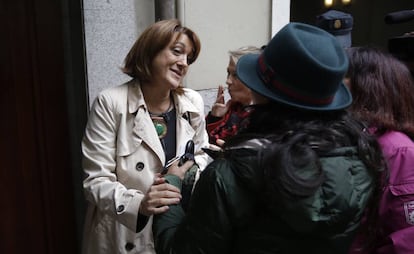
column 298, row 139
column 382, row 89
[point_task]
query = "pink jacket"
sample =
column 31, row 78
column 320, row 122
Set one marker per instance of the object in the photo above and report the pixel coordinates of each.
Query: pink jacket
column 396, row 214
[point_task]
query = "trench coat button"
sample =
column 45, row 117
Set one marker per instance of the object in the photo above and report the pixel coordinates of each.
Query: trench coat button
column 129, row 246
column 120, row 208
column 139, row 166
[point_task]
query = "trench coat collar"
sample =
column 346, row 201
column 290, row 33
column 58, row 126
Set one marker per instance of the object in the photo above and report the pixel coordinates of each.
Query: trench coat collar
column 135, row 97
column 136, row 100
column 144, row 129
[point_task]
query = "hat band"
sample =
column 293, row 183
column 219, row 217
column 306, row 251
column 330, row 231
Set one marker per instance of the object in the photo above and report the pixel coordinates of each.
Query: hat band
column 267, row 74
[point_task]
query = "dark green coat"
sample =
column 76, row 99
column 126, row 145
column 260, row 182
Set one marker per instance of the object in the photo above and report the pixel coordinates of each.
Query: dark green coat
column 228, row 213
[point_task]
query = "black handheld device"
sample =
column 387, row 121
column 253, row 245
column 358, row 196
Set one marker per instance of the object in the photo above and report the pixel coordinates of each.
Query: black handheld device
column 188, row 154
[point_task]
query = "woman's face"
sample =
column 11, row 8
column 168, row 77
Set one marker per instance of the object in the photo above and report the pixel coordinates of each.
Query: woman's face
column 237, row 90
column 171, row 64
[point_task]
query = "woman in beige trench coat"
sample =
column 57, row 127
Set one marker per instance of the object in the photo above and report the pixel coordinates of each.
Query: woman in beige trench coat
column 130, row 136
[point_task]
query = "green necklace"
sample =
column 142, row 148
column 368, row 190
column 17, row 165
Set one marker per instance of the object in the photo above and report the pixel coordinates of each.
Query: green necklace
column 160, row 123
column 160, row 126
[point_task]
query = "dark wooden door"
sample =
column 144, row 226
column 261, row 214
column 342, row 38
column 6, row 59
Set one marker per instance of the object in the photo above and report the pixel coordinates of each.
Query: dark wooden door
column 37, row 189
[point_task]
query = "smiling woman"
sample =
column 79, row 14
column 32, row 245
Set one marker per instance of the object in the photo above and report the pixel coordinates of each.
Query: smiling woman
column 133, row 130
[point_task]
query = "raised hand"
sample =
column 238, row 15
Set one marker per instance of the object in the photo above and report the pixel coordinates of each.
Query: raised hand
column 220, row 108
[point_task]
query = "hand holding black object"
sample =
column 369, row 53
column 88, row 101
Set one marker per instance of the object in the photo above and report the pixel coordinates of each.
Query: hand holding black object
column 188, row 154
column 179, row 166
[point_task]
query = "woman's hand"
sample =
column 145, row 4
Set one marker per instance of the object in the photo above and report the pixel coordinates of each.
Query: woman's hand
column 220, row 108
column 180, row 171
column 220, row 142
column 159, row 196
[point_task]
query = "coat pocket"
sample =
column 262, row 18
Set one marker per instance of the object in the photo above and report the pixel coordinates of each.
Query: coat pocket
column 402, row 189
column 398, row 206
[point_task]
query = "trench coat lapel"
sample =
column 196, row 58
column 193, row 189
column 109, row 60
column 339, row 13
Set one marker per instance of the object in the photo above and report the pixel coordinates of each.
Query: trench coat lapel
column 185, row 131
column 143, row 127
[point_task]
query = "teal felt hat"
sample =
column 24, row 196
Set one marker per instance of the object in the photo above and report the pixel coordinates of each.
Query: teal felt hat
column 302, row 66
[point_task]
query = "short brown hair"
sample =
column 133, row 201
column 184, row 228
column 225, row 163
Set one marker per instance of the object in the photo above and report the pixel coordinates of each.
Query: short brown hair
column 154, row 39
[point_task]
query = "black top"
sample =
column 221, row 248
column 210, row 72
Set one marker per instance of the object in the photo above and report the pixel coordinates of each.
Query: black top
column 170, row 139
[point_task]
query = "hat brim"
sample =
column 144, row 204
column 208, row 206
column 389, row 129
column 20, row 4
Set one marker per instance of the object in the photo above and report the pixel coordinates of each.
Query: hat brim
column 246, row 72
